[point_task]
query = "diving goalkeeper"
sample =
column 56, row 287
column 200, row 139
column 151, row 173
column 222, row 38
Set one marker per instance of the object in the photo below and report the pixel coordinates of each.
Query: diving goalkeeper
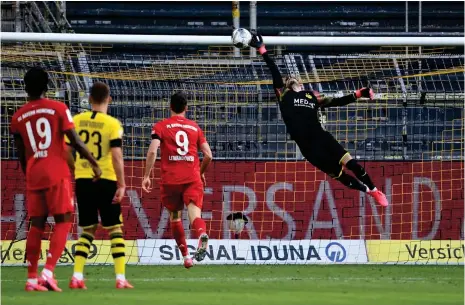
column 299, row 109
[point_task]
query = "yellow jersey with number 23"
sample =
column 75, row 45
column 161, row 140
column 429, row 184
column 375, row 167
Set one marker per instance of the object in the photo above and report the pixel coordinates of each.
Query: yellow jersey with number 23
column 100, row 132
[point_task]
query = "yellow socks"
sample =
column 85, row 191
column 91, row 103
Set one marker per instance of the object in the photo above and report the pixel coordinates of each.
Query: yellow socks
column 82, row 251
column 118, row 253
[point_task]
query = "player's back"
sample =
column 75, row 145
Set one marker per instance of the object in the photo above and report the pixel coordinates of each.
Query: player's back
column 180, row 141
column 100, row 132
column 42, row 124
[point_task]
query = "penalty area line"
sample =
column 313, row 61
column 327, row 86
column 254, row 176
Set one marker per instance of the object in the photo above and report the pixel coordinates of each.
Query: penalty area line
column 255, row 279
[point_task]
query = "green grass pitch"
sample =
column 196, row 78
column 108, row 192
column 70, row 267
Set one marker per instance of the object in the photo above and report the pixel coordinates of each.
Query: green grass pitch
column 242, row 285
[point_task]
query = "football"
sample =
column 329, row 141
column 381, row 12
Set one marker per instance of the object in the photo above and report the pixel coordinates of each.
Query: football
column 241, row 38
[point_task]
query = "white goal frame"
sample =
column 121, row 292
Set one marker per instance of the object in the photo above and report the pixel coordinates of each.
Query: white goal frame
column 226, row 40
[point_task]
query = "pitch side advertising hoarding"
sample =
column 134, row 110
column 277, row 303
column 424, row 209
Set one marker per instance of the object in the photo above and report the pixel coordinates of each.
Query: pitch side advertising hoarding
column 165, row 252
column 416, row 251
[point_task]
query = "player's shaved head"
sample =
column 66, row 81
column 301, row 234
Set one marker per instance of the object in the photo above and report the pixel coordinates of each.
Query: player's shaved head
column 99, row 93
column 178, row 102
column 36, row 82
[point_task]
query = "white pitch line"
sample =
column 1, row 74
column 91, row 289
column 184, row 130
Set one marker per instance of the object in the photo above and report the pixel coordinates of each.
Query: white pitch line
column 253, row 279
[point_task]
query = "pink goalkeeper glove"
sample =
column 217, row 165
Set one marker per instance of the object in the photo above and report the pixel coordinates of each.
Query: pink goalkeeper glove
column 365, row 92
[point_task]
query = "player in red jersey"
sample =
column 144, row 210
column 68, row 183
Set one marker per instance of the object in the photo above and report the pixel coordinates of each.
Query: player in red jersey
column 182, row 178
column 39, row 129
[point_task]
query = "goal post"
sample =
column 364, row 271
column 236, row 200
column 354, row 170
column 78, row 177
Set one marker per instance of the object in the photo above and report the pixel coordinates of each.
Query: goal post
column 410, row 139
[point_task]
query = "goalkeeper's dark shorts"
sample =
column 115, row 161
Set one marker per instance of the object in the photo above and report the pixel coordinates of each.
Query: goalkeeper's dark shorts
column 324, row 152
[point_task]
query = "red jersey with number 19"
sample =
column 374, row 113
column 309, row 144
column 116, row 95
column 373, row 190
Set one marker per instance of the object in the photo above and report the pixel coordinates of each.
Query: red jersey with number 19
column 41, row 125
column 180, row 142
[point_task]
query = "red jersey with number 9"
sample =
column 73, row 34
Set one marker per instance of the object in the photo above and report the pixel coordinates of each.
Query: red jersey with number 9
column 41, row 124
column 180, row 142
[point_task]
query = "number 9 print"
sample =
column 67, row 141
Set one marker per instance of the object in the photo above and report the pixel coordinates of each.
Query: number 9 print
column 184, row 144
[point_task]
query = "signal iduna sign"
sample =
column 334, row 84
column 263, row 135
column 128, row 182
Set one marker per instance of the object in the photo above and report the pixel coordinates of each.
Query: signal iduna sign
column 165, row 252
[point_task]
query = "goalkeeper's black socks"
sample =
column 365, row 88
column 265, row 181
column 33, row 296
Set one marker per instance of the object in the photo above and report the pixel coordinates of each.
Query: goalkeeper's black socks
column 360, row 173
column 351, row 182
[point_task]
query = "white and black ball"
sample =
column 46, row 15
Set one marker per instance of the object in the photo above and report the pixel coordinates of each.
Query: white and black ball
column 241, row 38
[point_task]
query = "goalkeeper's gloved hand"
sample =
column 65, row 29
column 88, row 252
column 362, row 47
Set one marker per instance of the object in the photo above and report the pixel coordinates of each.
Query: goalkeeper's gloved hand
column 365, row 92
column 257, row 42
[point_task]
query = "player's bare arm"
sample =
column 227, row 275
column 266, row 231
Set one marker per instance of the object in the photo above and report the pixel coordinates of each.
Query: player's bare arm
column 118, row 165
column 207, row 159
column 151, row 157
column 70, row 159
column 82, row 149
column 21, row 149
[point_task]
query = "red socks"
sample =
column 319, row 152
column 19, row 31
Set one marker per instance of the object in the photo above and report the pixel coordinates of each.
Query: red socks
column 199, row 226
column 178, row 233
column 33, row 247
column 57, row 244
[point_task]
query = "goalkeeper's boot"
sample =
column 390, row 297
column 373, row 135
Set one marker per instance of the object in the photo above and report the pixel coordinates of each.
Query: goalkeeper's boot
column 30, row 286
column 77, row 284
column 201, row 248
column 123, row 284
column 188, row 262
column 379, row 197
column 50, row 282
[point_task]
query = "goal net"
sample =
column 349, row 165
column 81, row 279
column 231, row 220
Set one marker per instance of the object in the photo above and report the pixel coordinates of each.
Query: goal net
column 409, row 139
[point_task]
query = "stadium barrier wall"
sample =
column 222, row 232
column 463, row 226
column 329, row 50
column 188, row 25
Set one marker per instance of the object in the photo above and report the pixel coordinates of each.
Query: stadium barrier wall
column 266, row 252
column 288, row 200
column 226, row 40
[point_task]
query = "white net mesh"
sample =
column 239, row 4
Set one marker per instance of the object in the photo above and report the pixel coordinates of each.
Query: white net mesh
column 410, row 140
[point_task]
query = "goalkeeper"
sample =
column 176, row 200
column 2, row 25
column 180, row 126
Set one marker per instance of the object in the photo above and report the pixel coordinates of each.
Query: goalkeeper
column 299, row 110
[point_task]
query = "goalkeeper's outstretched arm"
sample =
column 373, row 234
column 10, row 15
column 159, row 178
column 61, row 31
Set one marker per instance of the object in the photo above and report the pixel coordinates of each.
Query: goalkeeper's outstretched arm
column 327, row 102
column 278, row 84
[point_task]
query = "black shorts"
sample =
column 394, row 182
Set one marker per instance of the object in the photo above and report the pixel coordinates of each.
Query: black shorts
column 96, row 198
column 324, row 152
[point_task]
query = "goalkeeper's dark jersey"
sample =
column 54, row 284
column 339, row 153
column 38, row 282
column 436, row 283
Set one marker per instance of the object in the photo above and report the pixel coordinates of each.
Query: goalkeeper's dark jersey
column 300, row 112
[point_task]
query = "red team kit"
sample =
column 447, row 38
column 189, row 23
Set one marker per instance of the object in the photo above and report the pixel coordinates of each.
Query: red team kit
column 180, row 171
column 42, row 125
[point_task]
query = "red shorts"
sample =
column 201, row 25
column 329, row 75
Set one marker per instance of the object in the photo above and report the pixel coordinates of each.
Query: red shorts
column 175, row 196
column 55, row 200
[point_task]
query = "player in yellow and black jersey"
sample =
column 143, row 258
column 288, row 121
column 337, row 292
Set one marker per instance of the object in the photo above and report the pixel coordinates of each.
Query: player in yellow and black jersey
column 102, row 135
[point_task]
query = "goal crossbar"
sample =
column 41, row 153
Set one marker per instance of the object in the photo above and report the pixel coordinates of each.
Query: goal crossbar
column 226, row 40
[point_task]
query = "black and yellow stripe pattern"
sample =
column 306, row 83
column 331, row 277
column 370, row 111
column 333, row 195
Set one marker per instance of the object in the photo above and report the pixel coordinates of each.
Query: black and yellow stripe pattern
column 118, row 251
column 82, row 251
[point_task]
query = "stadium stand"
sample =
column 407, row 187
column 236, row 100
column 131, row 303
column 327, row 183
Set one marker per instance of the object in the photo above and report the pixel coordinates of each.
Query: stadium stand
column 246, row 129
column 274, row 18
